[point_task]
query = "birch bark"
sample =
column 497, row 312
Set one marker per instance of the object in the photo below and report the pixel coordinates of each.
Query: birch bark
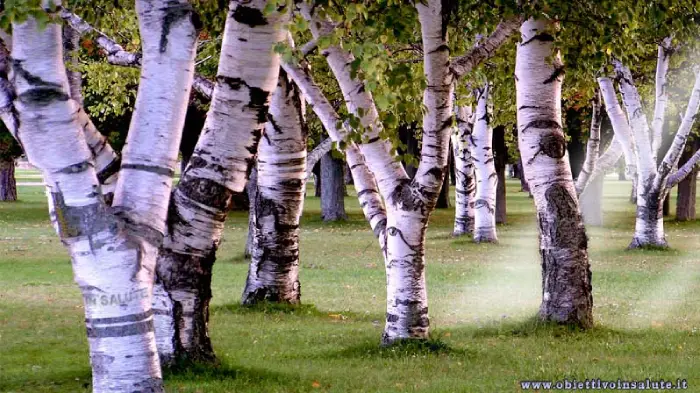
column 566, row 275
column 485, row 169
column 220, row 165
column 273, row 274
column 465, row 187
column 113, row 250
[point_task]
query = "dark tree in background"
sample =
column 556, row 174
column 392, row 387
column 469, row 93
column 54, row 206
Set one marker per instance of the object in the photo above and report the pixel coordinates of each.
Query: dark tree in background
column 500, row 155
column 9, row 151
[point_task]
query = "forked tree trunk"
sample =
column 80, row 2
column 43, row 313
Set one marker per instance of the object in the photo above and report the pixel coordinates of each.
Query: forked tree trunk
column 273, row 274
column 465, row 188
column 485, row 169
column 332, row 188
column 8, row 183
column 500, row 151
column 219, row 167
column 566, row 274
column 113, row 250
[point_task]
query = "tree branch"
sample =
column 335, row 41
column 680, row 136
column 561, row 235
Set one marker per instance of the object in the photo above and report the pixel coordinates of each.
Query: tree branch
column 462, row 65
column 684, row 171
column 116, row 55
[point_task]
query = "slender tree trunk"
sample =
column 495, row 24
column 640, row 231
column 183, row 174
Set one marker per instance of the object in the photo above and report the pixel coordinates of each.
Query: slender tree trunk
column 220, row 165
column 621, row 173
column 318, row 190
column 8, row 183
column 592, row 202
column 252, row 190
column 465, row 189
column 566, row 274
column 486, row 177
column 500, row 152
column 113, row 250
column 333, row 189
column 666, row 206
column 685, row 202
column 273, row 274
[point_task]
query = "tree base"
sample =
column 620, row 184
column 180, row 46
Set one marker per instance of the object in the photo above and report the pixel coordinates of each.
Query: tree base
column 253, row 296
column 485, row 239
column 656, row 244
column 388, row 341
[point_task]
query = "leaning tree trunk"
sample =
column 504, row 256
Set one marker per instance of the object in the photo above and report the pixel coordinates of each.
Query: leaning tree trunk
column 113, row 251
column 685, row 202
column 8, row 183
column 591, row 200
column 332, row 188
column 500, row 152
column 486, row 177
column 566, row 274
column 465, row 188
column 273, row 274
column 219, row 167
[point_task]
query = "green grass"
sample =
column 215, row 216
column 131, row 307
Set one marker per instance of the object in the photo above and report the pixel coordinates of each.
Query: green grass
column 482, row 302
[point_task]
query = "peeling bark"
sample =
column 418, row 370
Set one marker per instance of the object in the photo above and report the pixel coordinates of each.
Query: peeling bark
column 566, row 274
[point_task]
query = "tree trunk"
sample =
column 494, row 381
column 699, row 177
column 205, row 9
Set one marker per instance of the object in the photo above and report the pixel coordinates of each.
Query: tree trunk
column 649, row 225
column 666, row 206
column 592, row 202
column 524, row 187
column 8, row 183
column 500, row 151
column 113, row 250
column 273, row 274
column 252, row 190
column 566, row 274
column 220, row 165
column 486, row 177
column 333, row 189
column 621, row 173
column 465, row 189
column 317, row 178
column 685, row 202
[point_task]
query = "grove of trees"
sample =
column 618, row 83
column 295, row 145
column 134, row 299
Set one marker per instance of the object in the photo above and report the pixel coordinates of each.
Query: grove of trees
column 273, row 87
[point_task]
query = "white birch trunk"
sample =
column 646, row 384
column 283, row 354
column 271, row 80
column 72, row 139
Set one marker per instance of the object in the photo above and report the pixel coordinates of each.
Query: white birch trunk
column 465, row 179
column 621, row 127
column 273, row 273
column 592, row 147
column 113, row 252
column 566, row 275
column 486, row 178
column 363, row 179
column 657, row 125
column 220, row 165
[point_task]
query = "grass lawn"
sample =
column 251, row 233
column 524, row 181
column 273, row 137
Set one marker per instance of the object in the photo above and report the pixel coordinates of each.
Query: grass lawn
column 482, row 300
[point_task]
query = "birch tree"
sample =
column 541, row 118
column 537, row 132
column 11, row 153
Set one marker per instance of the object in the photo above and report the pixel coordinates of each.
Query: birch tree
column 566, row 274
column 465, row 179
column 273, row 274
column 485, row 169
column 408, row 202
column 220, row 165
column 113, row 250
column 639, row 139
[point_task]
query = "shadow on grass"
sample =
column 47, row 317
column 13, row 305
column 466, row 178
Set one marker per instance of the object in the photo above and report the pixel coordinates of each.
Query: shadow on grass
column 78, row 380
column 294, row 310
column 372, row 348
column 195, row 373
